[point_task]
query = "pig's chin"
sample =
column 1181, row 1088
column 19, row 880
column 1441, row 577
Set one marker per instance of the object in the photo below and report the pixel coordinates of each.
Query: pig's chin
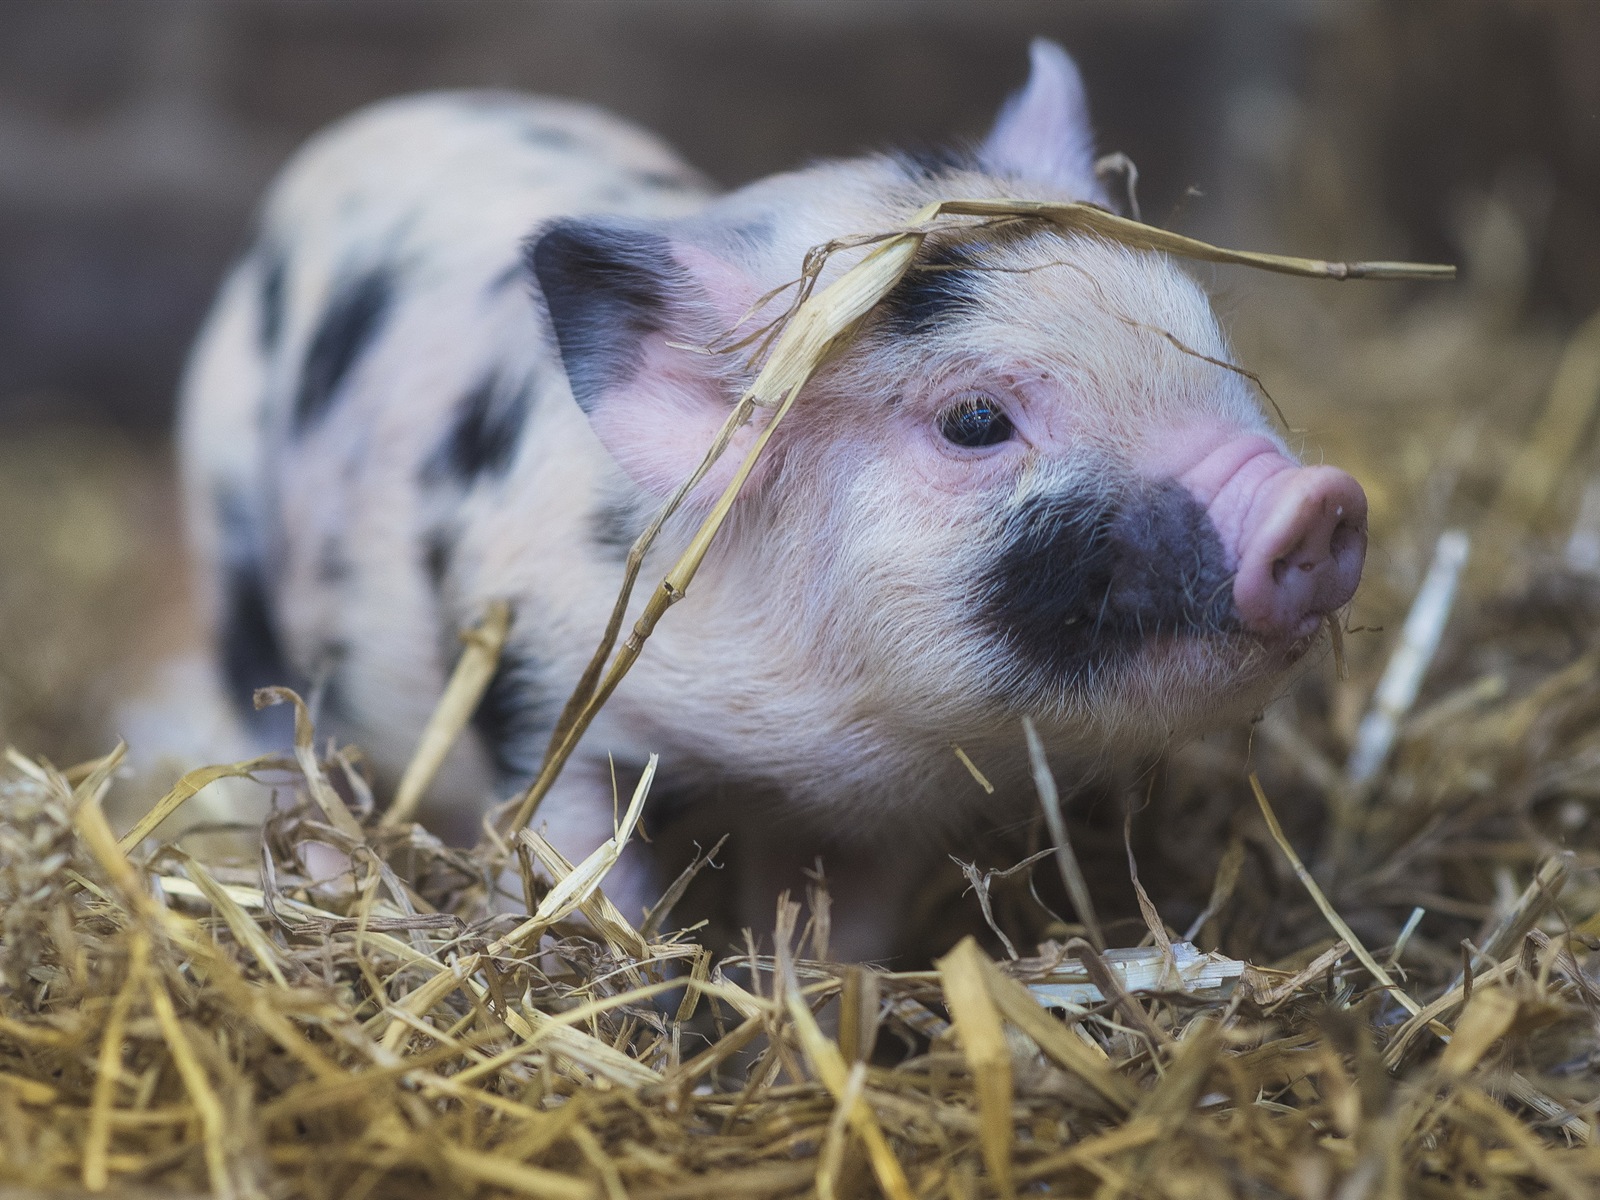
column 1200, row 684
column 1173, row 688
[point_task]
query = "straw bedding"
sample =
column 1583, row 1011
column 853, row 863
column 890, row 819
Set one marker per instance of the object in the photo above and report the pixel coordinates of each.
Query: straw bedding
column 1352, row 947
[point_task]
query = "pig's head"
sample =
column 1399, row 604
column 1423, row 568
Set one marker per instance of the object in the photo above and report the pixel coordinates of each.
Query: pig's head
column 1031, row 486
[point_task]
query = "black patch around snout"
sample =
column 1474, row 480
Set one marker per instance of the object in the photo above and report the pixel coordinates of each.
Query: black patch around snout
column 941, row 285
column 606, row 287
column 347, row 327
column 515, row 716
column 1085, row 580
column 483, row 438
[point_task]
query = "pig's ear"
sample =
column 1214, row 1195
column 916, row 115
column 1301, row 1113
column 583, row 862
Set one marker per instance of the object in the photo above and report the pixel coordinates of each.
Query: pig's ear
column 625, row 300
column 1042, row 132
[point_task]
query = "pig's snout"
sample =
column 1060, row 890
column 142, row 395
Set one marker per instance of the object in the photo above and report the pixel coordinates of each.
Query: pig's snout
column 1298, row 535
column 1302, row 550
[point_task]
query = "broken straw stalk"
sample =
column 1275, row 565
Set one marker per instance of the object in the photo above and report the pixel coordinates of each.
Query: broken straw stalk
column 1402, row 678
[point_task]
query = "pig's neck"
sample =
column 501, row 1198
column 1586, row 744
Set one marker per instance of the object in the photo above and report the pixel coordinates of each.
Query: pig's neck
column 728, row 691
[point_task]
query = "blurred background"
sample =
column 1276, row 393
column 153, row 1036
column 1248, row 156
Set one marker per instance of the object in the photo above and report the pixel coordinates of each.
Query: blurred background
column 136, row 135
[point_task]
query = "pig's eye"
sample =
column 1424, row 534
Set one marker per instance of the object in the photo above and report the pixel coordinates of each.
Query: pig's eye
column 975, row 421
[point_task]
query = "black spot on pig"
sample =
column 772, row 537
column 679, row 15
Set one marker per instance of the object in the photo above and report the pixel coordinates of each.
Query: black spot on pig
column 662, row 181
column 348, row 325
column 747, row 237
column 250, row 650
column 513, row 111
column 607, row 287
column 549, row 138
column 482, row 440
column 274, row 270
column 513, row 275
column 326, row 697
column 438, row 547
column 928, row 164
column 1085, row 579
column 941, row 285
column 252, row 656
column 515, row 716
column 333, row 563
column 618, row 521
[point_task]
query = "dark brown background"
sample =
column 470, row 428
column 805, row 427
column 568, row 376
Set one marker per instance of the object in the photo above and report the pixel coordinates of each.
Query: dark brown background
column 136, row 134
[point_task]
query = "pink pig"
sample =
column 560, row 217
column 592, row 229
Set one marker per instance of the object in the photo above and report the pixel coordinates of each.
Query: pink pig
column 459, row 365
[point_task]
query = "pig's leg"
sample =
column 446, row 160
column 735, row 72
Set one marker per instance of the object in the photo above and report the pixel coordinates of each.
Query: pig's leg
column 871, row 892
column 187, row 713
column 869, row 888
column 182, row 719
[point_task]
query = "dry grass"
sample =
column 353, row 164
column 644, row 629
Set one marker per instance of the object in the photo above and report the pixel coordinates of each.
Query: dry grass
column 1399, row 996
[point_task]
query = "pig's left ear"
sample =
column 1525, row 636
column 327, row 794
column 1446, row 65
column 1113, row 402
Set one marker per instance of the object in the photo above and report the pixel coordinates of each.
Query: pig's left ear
column 1042, row 132
column 627, row 301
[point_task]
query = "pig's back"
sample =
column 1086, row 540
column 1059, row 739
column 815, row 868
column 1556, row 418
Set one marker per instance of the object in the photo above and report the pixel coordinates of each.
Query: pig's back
column 375, row 386
column 464, row 176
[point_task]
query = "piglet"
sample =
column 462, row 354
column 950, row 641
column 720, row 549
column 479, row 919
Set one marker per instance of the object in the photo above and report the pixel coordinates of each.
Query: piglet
column 462, row 362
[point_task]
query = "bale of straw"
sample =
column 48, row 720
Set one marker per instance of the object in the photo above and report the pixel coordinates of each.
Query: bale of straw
column 165, row 1027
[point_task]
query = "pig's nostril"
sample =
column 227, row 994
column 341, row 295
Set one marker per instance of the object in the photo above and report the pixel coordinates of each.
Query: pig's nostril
column 1347, row 535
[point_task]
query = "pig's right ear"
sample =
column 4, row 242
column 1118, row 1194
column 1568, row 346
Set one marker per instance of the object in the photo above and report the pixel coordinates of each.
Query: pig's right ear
column 625, row 300
column 1043, row 131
